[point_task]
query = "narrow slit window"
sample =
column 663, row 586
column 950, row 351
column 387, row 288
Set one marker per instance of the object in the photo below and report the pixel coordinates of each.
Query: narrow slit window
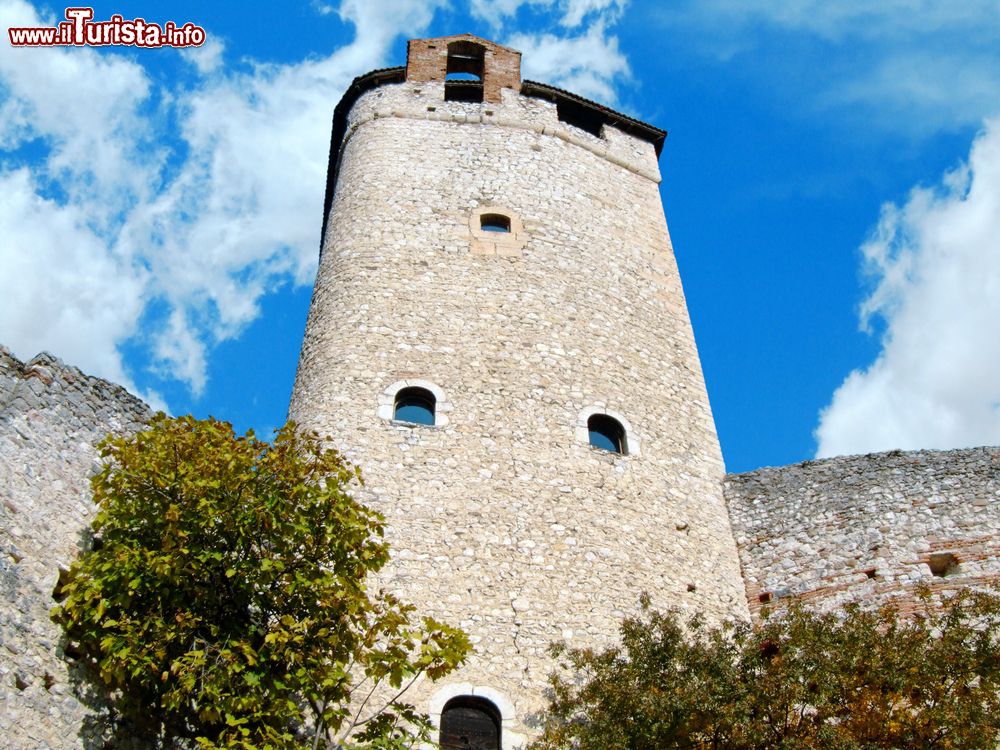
column 607, row 434
column 495, row 223
column 414, row 405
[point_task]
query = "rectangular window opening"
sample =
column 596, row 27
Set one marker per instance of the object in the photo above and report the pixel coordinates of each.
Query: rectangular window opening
column 579, row 116
column 463, row 91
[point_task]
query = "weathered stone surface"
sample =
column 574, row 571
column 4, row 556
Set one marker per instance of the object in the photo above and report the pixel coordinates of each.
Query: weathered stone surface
column 51, row 416
column 868, row 528
column 504, row 520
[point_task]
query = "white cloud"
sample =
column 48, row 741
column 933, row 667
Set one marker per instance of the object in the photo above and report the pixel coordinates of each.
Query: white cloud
column 936, row 260
column 925, row 91
column 62, row 290
column 85, row 105
column 858, row 18
column 912, row 66
column 572, row 13
column 575, row 11
column 589, row 64
column 206, row 58
column 96, row 240
column 496, row 12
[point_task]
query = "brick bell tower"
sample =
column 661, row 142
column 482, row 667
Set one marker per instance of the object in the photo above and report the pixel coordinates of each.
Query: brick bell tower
column 498, row 337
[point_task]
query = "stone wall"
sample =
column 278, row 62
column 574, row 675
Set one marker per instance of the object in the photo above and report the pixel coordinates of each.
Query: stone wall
column 868, row 528
column 51, row 415
column 502, row 518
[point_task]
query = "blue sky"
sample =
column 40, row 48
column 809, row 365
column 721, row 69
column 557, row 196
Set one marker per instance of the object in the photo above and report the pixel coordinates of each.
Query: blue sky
column 831, row 182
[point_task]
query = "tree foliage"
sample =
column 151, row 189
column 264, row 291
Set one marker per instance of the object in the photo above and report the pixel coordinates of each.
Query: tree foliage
column 224, row 602
column 847, row 681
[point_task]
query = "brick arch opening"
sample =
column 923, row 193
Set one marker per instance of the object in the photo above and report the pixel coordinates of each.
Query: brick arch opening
column 465, row 57
column 464, row 72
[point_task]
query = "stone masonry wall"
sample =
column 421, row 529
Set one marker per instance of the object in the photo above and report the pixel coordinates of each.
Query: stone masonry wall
column 51, row 415
column 868, row 528
column 502, row 518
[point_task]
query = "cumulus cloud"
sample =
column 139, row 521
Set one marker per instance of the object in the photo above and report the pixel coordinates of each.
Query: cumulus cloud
column 86, row 106
column 575, row 11
column 62, row 290
column 936, row 263
column 575, row 51
column 589, row 64
column 115, row 224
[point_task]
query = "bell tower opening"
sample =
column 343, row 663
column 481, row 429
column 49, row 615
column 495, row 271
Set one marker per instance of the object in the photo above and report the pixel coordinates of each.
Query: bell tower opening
column 464, row 72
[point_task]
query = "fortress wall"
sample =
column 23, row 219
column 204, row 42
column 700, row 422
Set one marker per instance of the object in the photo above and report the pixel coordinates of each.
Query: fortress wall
column 503, row 521
column 868, row 528
column 51, row 415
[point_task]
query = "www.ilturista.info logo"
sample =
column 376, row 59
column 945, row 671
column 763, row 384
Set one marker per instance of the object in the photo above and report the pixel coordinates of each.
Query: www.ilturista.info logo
column 80, row 30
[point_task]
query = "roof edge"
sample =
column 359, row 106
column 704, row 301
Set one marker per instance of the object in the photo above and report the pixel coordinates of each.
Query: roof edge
column 630, row 125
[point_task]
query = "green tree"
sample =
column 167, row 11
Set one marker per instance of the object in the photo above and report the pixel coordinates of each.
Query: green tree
column 855, row 680
column 224, row 602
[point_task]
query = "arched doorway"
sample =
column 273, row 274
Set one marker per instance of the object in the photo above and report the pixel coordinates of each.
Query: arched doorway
column 470, row 723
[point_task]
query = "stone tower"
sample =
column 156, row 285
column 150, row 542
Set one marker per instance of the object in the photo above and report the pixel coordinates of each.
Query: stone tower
column 498, row 337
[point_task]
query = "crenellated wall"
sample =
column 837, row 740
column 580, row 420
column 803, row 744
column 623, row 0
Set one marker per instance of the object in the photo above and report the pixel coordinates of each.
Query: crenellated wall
column 51, row 416
column 868, row 528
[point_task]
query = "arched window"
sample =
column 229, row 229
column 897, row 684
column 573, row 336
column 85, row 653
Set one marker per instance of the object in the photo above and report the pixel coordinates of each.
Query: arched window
column 607, row 433
column 470, row 723
column 414, row 405
column 494, row 223
column 464, row 74
column 465, row 61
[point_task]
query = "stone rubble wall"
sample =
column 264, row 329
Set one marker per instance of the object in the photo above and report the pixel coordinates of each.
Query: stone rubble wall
column 867, row 528
column 51, row 416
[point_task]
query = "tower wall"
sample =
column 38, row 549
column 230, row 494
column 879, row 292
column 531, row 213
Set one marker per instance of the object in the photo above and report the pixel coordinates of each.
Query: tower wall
column 504, row 520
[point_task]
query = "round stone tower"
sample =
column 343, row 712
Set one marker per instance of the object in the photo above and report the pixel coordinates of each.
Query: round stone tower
column 498, row 337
